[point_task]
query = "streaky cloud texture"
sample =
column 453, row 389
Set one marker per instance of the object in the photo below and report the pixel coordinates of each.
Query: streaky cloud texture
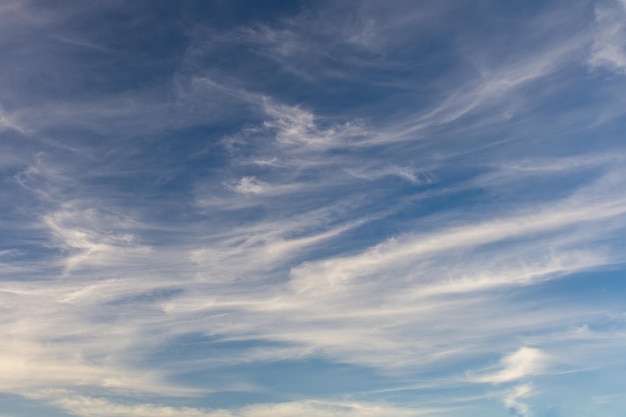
column 316, row 209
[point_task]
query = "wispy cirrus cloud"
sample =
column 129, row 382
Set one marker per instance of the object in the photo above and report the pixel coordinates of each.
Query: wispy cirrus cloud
column 609, row 48
column 382, row 193
column 7, row 122
column 513, row 397
column 524, row 362
column 102, row 407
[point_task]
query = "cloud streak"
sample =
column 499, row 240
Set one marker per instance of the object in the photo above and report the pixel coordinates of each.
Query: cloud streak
column 100, row 407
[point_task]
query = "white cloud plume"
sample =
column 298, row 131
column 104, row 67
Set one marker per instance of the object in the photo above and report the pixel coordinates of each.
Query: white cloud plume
column 512, row 399
column 522, row 363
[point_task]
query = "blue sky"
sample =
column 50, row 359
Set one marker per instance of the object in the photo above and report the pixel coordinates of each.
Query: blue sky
column 312, row 208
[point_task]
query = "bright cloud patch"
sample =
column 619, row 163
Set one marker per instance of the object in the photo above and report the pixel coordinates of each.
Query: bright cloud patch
column 522, row 363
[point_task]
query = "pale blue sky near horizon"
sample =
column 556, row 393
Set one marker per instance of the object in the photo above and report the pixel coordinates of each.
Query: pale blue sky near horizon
column 312, row 208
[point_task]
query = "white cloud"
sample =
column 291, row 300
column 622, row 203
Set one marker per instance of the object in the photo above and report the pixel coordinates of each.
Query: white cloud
column 97, row 407
column 522, row 363
column 492, row 91
column 7, row 122
column 249, row 185
column 249, row 251
column 512, row 399
column 297, row 127
column 395, row 253
column 407, row 173
column 475, row 279
column 279, row 257
column 609, row 45
column 418, row 293
column 76, row 231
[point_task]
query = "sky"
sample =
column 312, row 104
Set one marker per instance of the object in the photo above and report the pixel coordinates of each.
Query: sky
column 312, row 208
